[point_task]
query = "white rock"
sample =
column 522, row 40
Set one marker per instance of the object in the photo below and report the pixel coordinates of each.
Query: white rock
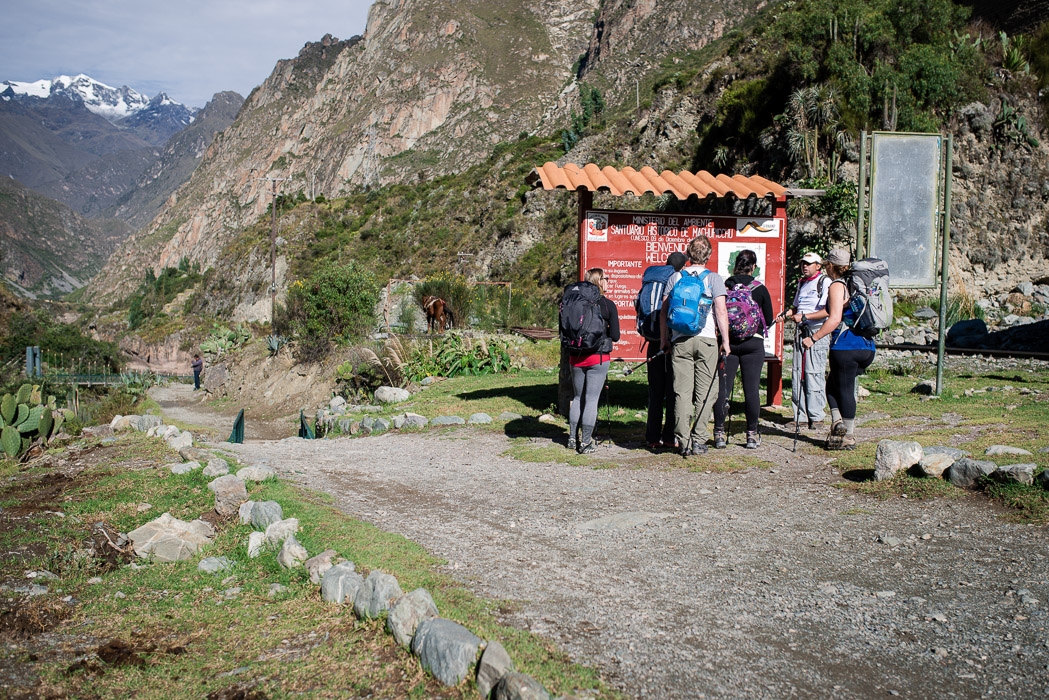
column 391, row 394
column 256, row 540
column 277, row 532
column 256, row 473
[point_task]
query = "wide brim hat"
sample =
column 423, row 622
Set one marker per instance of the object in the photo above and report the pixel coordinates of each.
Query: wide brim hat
column 838, row 256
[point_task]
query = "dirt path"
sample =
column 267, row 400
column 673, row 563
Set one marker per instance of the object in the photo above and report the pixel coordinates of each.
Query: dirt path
column 681, row 584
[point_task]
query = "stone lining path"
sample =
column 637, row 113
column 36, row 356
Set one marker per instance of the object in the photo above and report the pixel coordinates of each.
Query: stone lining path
column 681, row 584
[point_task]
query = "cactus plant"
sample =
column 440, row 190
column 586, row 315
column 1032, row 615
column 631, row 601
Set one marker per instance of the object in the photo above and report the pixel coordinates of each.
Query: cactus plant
column 46, row 424
column 8, row 408
column 29, row 422
column 11, row 441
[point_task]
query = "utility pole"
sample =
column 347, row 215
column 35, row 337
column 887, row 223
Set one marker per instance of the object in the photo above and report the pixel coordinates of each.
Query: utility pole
column 273, row 245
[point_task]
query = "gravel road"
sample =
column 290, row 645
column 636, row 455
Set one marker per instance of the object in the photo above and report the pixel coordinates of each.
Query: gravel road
column 674, row 583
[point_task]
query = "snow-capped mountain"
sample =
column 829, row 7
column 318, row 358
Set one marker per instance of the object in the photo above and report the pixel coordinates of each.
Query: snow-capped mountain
column 113, row 104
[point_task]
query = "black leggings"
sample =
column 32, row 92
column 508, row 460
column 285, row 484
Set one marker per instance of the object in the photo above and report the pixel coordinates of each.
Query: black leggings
column 747, row 356
column 845, row 366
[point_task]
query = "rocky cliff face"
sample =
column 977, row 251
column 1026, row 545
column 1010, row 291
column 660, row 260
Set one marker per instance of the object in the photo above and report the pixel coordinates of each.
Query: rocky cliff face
column 432, row 86
column 429, row 89
column 47, row 249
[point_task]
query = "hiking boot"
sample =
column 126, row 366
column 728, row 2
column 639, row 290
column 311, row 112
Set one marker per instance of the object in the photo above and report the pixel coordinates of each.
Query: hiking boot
column 588, row 449
column 753, row 441
column 837, row 433
column 695, row 450
column 848, row 443
column 720, row 441
column 571, row 443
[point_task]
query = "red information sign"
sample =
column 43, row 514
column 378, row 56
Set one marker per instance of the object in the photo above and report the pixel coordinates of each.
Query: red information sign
column 624, row 243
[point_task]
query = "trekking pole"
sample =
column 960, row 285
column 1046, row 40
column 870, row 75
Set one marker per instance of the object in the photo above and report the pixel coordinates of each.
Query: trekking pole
column 728, row 404
column 630, row 370
column 801, row 333
column 608, row 413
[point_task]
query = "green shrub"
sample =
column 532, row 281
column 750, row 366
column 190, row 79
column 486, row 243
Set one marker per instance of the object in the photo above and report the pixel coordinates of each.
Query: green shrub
column 336, row 304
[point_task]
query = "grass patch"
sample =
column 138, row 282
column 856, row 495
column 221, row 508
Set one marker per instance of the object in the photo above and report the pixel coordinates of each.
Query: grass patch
column 194, row 633
column 977, row 409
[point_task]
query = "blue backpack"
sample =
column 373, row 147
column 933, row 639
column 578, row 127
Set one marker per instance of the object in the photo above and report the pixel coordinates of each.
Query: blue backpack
column 650, row 298
column 689, row 304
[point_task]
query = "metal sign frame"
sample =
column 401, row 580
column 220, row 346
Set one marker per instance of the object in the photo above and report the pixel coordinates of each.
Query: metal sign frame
column 867, row 240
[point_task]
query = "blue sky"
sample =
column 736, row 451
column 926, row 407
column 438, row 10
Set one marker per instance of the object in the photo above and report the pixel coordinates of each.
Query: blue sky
column 189, row 49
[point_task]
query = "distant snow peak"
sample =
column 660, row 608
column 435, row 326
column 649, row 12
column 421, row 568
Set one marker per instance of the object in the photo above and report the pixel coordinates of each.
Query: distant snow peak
column 104, row 100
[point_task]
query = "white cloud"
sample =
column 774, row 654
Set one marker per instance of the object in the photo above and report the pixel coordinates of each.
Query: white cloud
column 189, row 49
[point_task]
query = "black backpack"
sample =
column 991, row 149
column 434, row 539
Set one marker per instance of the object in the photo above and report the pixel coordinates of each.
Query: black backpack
column 582, row 325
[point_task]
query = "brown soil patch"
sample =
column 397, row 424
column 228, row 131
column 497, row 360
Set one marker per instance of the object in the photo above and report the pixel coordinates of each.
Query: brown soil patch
column 23, row 619
column 239, row 691
column 38, row 494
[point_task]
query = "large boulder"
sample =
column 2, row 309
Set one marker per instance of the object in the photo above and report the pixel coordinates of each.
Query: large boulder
column 446, row 649
column 265, row 513
column 216, row 467
column 375, row 597
column 935, row 464
column 184, row 467
column 1015, row 473
column 340, row 583
column 214, row 377
column 518, row 686
column 167, row 538
column 229, row 492
column 180, row 440
column 277, row 532
column 291, row 554
column 317, row 565
column 391, row 394
column 256, row 473
column 494, row 664
column 966, row 473
column 893, row 456
column 407, row 612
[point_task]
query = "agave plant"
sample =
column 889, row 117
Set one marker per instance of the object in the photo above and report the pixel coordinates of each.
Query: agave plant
column 275, row 343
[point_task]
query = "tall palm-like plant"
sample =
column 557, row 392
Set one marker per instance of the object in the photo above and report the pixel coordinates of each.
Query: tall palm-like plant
column 811, row 120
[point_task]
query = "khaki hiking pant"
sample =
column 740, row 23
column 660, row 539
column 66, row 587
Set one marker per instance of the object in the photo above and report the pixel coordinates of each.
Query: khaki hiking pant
column 695, row 363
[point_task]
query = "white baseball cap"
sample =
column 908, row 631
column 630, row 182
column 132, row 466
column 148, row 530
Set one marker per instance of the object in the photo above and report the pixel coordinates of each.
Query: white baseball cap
column 811, row 258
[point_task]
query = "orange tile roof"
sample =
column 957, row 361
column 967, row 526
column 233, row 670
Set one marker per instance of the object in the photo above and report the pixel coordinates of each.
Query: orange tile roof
column 629, row 181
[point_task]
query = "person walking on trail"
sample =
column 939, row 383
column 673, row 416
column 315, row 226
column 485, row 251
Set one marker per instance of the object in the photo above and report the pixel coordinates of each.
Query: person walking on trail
column 589, row 371
column 694, row 350
column 659, row 432
column 747, row 349
column 850, row 354
column 198, row 367
column 808, row 391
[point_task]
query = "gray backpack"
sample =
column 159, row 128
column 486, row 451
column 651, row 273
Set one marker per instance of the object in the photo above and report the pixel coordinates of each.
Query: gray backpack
column 869, row 311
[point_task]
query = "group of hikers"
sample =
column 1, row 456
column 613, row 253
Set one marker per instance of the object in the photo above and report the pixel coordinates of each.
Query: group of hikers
column 701, row 328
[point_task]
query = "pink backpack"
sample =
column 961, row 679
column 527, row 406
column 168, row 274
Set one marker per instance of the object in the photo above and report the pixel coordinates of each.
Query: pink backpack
column 745, row 317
